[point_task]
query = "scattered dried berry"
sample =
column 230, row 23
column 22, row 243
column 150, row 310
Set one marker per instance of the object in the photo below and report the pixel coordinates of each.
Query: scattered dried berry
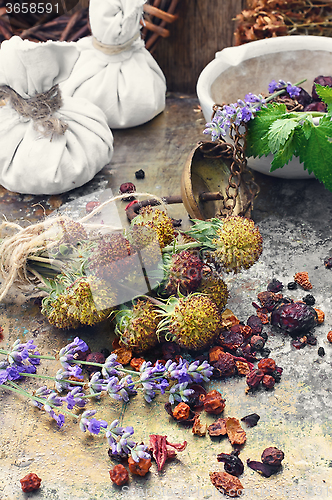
column 294, row 317
column 321, row 352
column 187, row 422
column 227, row 483
column 257, row 342
column 302, row 279
column 320, row 315
column 231, row 339
column 214, row 402
column 140, row 468
column 328, row 263
column 233, row 464
column 292, row 285
column 265, row 469
column 225, row 366
column 196, row 399
column 140, row 174
column 309, row 299
column 94, row 357
column 267, row 365
column 255, row 324
column 162, row 450
column 254, row 378
column 329, row 336
column 268, row 382
column 218, row 428
column 269, row 299
column 181, row 411
column 235, row 433
column 251, row 420
column 127, row 187
column 119, row 475
column 272, row 456
column 275, row 286
column 30, row 482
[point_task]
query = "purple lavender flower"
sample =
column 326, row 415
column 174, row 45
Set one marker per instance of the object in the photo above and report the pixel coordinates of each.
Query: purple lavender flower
column 272, row 87
column 20, row 352
column 53, row 399
column 60, row 380
column 84, row 421
column 95, row 426
column 118, row 439
column 110, row 366
column 13, row 373
column 199, row 372
column 97, row 384
column 179, row 392
column 292, row 90
column 65, row 360
column 127, row 388
column 74, row 398
column 113, row 388
column 60, row 419
column 139, row 451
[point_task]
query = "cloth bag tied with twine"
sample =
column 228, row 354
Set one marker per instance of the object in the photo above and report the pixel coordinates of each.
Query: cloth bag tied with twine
column 115, row 71
column 49, row 143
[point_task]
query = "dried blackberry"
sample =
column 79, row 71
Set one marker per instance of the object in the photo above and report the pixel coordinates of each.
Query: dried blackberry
column 292, row 285
column 309, row 299
column 321, row 352
column 140, row 174
column 275, row 286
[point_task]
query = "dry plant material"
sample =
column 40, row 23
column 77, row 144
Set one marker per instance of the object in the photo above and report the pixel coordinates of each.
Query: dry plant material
column 199, row 429
column 320, row 315
column 243, row 368
column 329, row 336
column 235, row 433
column 228, row 319
column 302, row 279
column 119, row 475
column 226, row 483
column 136, row 363
column 140, row 468
column 225, row 366
column 214, row 353
column 162, row 450
column 233, row 464
column 214, row 403
column 30, row 482
column 270, row 464
column 254, row 378
column 181, row 411
column 267, row 365
column 123, row 355
column 272, row 18
column 251, row 420
column 268, row 382
column 218, row 428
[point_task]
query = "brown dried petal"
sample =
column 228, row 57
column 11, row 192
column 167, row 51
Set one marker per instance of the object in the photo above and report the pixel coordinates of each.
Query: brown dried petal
column 302, row 279
column 136, row 363
column 320, row 315
column 162, row 450
column 227, row 483
column 225, row 365
column 242, row 368
column 198, row 428
column 218, row 428
column 235, row 433
column 228, row 319
column 214, row 353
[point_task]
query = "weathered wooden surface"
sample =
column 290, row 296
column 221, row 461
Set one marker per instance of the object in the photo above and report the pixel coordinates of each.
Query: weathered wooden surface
column 203, row 28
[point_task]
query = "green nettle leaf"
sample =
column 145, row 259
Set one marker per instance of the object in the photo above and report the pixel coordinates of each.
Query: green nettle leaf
column 316, row 152
column 325, row 93
column 279, row 132
column 284, row 153
column 257, row 135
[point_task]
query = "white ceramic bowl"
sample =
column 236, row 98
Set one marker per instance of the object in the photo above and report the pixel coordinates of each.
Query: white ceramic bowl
column 236, row 71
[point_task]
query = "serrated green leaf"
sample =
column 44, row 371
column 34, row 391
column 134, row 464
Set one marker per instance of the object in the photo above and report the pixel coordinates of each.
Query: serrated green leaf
column 258, row 128
column 284, row 153
column 316, row 153
column 307, row 125
column 325, row 93
column 279, row 132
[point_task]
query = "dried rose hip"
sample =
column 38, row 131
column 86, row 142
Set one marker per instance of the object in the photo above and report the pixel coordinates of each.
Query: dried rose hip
column 268, row 382
column 329, row 336
column 141, row 467
column 127, row 187
column 30, row 482
column 94, row 357
column 254, row 378
column 119, row 475
column 225, row 366
column 272, row 456
column 255, row 324
column 181, row 411
column 267, row 365
column 257, row 342
column 214, row 402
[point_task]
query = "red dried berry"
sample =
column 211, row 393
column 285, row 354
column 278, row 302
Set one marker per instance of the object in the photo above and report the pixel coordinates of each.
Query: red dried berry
column 272, row 456
column 254, row 378
column 214, row 402
column 140, row 468
column 94, row 357
column 119, row 475
column 30, row 482
column 294, row 317
column 257, row 342
column 225, row 366
column 127, row 187
column 267, row 365
column 268, row 382
column 255, row 324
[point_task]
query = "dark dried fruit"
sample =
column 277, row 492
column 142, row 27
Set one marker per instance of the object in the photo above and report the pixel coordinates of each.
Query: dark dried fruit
column 255, row 324
column 275, row 286
column 233, row 464
column 30, row 482
column 309, row 299
column 231, row 339
column 303, row 98
column 292, row 285
column 257, row 342
column 225, row 366
column 269, row 299
column 294, row 317
column 251, row 420
column 214, row 402
column 268, row 382
column 226, row 483
column 321, row 352
column 140, row 174
column 272, row 456
column 277, row 374
column 254, row 378
column 119, row 475
column 316, row 106
column 140, row 468
column 94, row 357
column 311, row 340
column 328, row 263
column 127, row 187
column 267, row 365
column 196, row 399
column 324, row 81
column 265, row 469
column 300, row 342
column 214, row 353
column 170, row 350
column 265, row 352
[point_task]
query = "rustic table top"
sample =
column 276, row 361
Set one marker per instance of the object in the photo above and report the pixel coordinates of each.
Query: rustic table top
column 294, row 219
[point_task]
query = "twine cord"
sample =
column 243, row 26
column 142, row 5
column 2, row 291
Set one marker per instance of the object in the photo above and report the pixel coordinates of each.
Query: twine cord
column 111, row 50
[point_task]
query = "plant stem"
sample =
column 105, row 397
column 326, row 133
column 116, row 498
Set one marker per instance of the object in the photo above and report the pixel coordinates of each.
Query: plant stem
column 47, row 377
column 191, row 244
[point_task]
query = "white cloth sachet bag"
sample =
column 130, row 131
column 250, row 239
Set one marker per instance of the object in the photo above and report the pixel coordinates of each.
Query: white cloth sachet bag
column 49, row 143
column 115, row 71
